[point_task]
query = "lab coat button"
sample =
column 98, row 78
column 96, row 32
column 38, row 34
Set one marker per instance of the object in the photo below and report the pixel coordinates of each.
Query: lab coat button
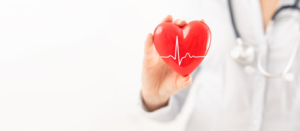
column 249, row 69
column 260, row 84
column 255, row 122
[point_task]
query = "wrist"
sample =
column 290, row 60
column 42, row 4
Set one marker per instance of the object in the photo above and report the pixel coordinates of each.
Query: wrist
column 153, row 102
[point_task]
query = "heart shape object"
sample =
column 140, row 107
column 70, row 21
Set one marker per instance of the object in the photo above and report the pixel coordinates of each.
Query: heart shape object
column 183, row 49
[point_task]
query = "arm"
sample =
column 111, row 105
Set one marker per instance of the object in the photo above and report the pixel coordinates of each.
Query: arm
column 169, row 111
column 163, row 90
column 159, row 81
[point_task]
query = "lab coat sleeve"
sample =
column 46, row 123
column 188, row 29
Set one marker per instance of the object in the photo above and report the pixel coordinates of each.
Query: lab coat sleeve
column 170, row 111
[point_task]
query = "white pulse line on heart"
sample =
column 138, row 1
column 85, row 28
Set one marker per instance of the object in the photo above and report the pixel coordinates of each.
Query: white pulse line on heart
column 177, row 52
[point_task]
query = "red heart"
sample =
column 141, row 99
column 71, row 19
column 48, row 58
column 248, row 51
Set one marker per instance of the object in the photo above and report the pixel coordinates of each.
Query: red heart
column 183, row 49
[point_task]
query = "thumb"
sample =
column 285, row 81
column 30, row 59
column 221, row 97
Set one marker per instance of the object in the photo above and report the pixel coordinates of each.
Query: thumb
column 183, row 82
column 148, row 49
column 150, row 54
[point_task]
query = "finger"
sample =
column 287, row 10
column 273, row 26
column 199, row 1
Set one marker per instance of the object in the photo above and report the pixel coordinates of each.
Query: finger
column 183, row 82
column 175, row 21
column 180, row 22
column 202, row 20
column 168, row 18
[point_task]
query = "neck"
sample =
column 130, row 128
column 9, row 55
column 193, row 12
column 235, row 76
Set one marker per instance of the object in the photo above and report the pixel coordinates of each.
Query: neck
column 268, row 8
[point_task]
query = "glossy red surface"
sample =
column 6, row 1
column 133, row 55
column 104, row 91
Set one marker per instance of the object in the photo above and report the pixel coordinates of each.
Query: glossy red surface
column 183, row 49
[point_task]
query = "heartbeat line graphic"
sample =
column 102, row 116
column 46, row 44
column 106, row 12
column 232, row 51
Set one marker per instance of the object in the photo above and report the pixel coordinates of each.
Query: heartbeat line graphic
column 177, row 53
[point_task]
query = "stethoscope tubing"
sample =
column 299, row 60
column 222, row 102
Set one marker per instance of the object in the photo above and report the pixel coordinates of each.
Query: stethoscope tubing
column 260, row 54
column 287, row 67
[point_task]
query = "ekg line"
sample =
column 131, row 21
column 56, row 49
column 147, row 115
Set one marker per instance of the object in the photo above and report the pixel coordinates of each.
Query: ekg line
column 177, row 52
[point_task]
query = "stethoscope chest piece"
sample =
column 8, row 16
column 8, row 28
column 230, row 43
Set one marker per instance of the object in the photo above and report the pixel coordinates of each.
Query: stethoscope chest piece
column 243, row 53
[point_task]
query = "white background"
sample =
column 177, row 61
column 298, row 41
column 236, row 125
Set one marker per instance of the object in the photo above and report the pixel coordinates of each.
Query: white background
column 76, row 65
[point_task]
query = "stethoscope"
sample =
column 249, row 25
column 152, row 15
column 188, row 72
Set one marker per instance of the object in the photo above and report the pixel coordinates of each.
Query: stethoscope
column 244, row 54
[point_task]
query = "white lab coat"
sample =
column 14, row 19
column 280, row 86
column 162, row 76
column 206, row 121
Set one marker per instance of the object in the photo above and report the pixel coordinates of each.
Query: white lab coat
column 229, row 99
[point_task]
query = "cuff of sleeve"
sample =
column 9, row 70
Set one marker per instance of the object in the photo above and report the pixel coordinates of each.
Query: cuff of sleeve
column 166, row 113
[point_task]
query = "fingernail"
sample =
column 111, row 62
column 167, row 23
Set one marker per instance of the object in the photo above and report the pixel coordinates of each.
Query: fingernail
column 187, row 79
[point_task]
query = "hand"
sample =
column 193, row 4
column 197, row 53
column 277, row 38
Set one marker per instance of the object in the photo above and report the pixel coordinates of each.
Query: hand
column 159, row 81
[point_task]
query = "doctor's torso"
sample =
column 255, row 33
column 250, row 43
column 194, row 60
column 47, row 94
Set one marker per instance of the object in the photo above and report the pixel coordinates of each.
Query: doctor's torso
column 228, row 98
